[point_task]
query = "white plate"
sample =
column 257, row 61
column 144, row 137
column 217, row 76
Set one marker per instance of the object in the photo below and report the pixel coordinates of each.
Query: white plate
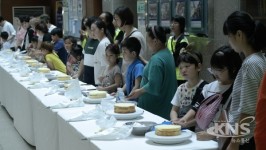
column 127, row 116
column 185, row 135
column 97, row 101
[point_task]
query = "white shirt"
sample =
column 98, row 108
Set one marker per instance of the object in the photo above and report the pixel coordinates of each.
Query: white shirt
column 100, row 59
column 8, row 27
column 51, row 28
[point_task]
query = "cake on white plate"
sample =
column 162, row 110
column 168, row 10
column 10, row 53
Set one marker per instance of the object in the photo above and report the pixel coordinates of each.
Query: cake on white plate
column 44, row 70
column 63, row 77
column 168, row 130
column 124, row 108
column 95, row 94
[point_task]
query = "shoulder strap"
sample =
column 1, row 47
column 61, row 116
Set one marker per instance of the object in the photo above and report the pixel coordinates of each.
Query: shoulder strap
column 228, row 92
column 198, row 91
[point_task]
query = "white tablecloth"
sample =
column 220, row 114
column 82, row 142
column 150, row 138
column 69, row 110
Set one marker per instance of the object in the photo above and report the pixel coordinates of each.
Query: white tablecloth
column 48, row 129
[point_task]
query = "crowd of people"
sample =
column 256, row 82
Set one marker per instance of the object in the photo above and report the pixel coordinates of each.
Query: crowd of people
column 110, row 56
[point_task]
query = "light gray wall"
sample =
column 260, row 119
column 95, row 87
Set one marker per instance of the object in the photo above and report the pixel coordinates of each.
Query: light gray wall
column 218, row 11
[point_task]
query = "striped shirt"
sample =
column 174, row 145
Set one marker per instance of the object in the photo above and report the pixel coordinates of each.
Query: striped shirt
column 245, row 90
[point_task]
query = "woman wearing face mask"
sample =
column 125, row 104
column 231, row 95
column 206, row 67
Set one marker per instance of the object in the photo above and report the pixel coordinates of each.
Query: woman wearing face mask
column 157, row 87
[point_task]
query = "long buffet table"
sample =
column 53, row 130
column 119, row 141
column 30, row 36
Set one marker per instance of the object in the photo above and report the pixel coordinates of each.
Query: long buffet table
column 48, row 128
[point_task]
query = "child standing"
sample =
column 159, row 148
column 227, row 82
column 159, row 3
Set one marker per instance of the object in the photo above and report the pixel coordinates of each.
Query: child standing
column 51, row 58
column 189, row 65
column 131, row 48
column 112, row 77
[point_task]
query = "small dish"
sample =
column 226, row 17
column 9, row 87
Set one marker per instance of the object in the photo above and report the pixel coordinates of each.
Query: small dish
column 141, row 127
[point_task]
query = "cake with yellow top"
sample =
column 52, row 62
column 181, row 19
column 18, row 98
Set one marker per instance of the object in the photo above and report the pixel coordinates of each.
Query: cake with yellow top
column 25, row 57
column 97, row 94
column 168, row 130
column 63, row 77
column 31, row 62
column 124, row 108
column 44, row 70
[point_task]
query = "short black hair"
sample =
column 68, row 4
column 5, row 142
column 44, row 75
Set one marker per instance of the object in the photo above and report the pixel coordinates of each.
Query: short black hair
column 226, row 57
column 41, row 27
column 91, row 20
column 1, row 19
column 45, row 18
column 24, row 19
column 132, row 44
column 182, row 22
column 125, row 14
column 157, row 32
column 58, row 32
column 77, row 52
column 4, row 35
column 34, row 38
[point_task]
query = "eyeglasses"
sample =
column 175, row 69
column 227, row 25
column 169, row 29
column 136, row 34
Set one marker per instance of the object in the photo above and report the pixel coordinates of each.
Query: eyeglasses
column 216, row 70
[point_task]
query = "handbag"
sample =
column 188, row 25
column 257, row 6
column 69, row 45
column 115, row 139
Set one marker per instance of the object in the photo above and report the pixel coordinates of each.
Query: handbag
column 209, row 107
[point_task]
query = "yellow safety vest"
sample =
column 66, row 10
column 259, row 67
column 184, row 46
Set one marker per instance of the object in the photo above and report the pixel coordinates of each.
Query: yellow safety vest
column 171, row 43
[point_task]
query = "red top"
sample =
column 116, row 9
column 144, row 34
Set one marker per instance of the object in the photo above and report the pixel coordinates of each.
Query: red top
column 260, row 130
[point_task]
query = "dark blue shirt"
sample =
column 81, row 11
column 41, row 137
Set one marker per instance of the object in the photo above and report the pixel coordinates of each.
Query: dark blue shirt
column 60, row 50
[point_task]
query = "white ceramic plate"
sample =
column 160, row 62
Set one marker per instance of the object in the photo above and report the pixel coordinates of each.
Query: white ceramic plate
column 128, row 116
column 97, row 101
column 185, row 135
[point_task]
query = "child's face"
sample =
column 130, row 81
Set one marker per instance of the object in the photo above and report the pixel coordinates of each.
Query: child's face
column 68, row 45
column 54, row 37
column 44, row 51
column 175, row 27
column 222, row 75
column 127, row 55
column 189, row 71
column 110, row 57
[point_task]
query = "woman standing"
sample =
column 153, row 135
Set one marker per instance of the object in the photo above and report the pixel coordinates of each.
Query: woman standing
column 98, row 29
column 248, row 37
column 157, row 86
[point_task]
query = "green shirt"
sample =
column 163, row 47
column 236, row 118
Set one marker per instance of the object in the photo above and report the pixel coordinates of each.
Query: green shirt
column 159, row 82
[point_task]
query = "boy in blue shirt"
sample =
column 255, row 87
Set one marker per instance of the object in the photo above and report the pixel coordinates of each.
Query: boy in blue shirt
column 57, row 37
column 131, row 49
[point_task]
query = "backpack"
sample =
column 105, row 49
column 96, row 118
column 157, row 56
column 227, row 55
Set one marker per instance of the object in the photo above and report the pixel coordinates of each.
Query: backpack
column 209, row 107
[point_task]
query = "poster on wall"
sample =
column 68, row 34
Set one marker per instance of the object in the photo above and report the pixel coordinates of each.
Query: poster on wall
column 59, row 14
column 165, row 13
column 152, row 12
column 196, row 13
column 80, row 13
column 179, row 8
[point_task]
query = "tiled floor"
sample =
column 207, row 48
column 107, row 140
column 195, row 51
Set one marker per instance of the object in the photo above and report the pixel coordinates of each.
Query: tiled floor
column 9, row 137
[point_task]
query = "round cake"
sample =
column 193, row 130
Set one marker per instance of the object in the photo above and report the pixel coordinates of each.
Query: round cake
column 63, row 77
column 25, row 57
column 124, row 108
column 97, row 94
column 32, row 62
column 168, row 130
column 43, row 70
